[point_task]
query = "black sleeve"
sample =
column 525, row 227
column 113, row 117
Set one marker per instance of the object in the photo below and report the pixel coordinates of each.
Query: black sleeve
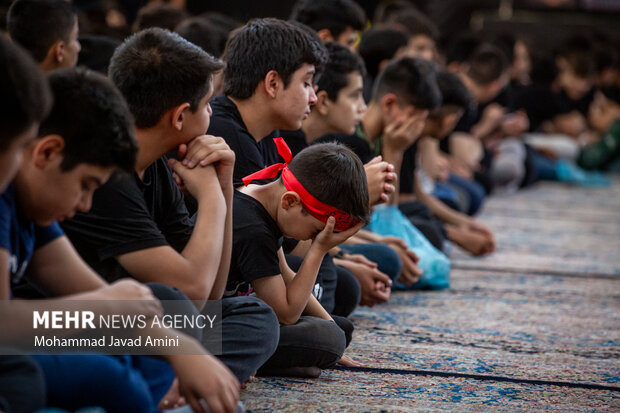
column 407, row 170
column 296, row 140
column 248, row 158
column 171, row 215
column 256, row 253
column 119, row 222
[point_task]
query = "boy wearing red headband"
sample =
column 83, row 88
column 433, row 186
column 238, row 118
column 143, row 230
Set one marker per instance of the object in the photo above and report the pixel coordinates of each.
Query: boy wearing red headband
column 321, row 191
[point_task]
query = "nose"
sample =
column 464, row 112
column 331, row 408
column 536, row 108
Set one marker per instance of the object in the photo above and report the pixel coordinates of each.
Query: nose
column 312, row 99
column 362, row 106
column 85, row 202
column 209, row 109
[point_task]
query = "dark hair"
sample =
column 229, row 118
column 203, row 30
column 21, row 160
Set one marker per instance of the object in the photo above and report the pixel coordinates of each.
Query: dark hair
column 333, row 15
column 486, row 64
column 378, row 45
column 162, row 16
column 25, row 97
column 453, row 91
column 96, row 52
column 612, row 93
column 415, row 23
column 93, row 119
column 156, row 70
column 200, row 32
column 413, row 80
column 462, row 47
column 38, row 24
column 340, row 63
column 223, row 25
column 578, row 51
column 389, row 8
column 506, row 42
column 334, row 175
column 263, row 45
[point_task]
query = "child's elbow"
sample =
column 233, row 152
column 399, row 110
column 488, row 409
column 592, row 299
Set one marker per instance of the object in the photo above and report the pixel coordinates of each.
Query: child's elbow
column 198, row 293
column 288, row 319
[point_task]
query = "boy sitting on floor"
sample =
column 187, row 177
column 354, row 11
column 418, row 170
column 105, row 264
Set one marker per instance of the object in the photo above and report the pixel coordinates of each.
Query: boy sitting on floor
column 62, row 168
column 323, row 189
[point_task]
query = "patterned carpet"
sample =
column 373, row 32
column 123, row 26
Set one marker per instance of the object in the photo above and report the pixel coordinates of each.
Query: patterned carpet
column 536, row 326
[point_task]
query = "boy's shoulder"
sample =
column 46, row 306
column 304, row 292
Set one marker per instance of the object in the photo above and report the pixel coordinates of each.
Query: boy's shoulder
column 226, row 120
column 19, row 236
column 250, row 218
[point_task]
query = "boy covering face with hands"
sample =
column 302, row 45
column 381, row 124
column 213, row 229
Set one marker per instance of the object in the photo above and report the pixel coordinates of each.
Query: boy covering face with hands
column 323, row 196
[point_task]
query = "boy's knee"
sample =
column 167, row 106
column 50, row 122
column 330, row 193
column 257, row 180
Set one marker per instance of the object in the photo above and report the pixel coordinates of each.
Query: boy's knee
column 328, row 337
column 390, row 262
column 259, row 317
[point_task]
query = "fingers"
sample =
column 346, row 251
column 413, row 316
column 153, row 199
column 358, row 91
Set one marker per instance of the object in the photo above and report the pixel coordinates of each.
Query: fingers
column 344, row 235
column 379, row 276
column 329, row 225
column 195, row 403
column 182, row 151
column 200, row 148
column 374, row 160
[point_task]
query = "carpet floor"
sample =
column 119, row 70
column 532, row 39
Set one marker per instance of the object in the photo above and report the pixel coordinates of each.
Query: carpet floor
column 535, row 326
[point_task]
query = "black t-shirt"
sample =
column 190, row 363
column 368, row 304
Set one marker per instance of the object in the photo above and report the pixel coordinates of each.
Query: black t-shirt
column 129, row 214
column 227, row 123
column 407, row 169
column 295, row 139
column 542, row 104
column 256, row 241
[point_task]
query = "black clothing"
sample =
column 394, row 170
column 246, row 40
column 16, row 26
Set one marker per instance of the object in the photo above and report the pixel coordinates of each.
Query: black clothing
column 295, row 139
column 256, row 241
column 129, row 214
column 22, row 385
column 227, row 123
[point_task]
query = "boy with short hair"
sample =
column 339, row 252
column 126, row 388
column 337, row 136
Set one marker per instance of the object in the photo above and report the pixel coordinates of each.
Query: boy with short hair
column 337, row 21
column 139, row 226
column 404, row 92
column 25, row 99
column 339, row 109
column 421, row 31
column 321, row 191
column 61, row 169
column 377, row 47
column 48, row 29
column 460, row 228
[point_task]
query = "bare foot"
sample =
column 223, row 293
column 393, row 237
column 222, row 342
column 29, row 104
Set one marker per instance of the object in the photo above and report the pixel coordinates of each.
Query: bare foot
column 248, row 381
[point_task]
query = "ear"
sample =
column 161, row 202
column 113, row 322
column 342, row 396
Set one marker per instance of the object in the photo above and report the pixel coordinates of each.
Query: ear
column 325, row 35
column 47, row 150
column 177, row 115
column 322, row 103
column 388, row 102
column 272, row 83
column 55, row 54
column 289, row 200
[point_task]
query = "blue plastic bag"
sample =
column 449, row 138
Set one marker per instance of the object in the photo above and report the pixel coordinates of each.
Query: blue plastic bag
column 388, row 220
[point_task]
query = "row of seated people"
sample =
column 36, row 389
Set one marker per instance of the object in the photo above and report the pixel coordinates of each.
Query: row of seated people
column 263, row 183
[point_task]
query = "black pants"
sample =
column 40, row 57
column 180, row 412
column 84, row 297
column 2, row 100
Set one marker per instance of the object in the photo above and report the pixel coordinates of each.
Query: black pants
column 311, row 342
column 422, row 218
column 250, row 330
column 22, row 386
column 336, row 288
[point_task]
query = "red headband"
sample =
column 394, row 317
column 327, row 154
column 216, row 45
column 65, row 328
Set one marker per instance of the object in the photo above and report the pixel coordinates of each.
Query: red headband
column 316, row 208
